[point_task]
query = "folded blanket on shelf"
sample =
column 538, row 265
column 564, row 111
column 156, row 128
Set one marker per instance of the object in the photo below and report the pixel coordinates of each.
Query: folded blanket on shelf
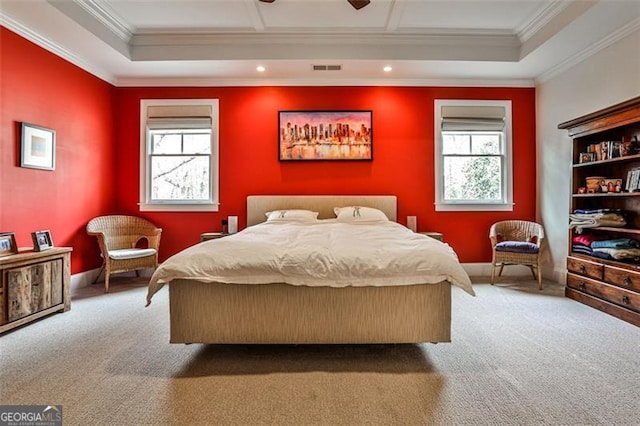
column 592, row 220
column 586, row 239
column 602, row 255
column 595, row 217
column 593, row 211
column 618, row 254
column 619, row 243
column 581, row 249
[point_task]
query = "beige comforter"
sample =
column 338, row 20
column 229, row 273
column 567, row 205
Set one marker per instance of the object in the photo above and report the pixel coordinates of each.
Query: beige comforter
column 320, row 253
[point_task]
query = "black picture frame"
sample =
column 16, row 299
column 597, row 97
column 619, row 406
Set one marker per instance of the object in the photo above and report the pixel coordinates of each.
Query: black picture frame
column 41, row 240
column 323, row 135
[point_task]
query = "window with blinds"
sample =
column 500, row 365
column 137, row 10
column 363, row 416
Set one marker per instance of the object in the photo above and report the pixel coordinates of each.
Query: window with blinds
column 473, row 155
column 179, row 161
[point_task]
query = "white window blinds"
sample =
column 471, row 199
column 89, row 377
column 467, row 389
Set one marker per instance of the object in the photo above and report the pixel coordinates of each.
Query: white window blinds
column 179, row 117
column 473, row 118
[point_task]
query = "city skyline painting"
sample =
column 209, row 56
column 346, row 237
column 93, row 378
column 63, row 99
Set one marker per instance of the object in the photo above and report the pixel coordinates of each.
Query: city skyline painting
column 325, row 135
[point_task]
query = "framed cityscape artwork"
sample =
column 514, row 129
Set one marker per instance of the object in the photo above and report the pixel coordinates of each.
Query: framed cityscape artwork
column 325, row 135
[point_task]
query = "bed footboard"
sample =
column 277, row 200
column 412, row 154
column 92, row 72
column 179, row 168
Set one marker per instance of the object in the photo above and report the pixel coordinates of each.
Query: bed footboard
column 281, row 313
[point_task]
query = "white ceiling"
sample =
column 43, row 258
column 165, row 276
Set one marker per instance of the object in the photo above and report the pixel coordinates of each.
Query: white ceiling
column 220, row 42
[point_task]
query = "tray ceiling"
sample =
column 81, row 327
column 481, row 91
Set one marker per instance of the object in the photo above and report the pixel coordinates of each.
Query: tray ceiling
column 221, row 42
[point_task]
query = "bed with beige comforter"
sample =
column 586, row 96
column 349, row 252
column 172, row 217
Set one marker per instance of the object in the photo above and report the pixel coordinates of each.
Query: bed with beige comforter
column 298, row 279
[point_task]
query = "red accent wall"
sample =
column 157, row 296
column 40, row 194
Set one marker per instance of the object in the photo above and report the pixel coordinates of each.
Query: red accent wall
column 40, row 88
column 403, row 152
column 98, row 135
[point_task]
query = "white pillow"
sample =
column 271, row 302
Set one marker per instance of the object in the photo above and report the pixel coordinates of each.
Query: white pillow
column 291, row 216
column 359, row 214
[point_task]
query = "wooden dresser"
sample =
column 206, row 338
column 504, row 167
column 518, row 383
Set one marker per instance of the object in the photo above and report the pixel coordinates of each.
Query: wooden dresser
column 612, row 286
column 34, row 284
column 605, row 286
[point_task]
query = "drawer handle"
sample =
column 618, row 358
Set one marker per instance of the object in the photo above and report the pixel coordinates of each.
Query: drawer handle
column 582, row 285
column 626, row 280
column 625, row 300
column 583, row 269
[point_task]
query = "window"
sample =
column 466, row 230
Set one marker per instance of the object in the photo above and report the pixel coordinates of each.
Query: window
column 179, row 155
column 473, row 166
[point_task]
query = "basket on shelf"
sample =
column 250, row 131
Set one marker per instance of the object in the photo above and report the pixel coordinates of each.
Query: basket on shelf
column 593, row 183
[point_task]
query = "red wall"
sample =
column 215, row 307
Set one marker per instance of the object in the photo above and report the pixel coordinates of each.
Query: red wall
column 98, row 153
column 403, row 150
column 40, row 88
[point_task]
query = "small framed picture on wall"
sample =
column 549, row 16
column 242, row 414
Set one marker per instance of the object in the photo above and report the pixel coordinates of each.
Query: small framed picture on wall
column 37, row 147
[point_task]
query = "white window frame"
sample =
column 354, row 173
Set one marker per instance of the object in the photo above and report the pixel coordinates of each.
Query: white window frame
column 146, row 204
column 506, row 202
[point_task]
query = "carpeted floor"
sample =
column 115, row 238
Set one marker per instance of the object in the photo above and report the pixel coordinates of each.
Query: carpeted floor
column 517, row 357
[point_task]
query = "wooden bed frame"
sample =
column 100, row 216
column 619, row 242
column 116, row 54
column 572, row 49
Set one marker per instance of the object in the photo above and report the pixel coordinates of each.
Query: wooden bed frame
column 282, row 313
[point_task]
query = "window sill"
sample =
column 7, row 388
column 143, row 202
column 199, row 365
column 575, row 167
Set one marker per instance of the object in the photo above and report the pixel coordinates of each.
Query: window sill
column 459, row 207
column 167, row 207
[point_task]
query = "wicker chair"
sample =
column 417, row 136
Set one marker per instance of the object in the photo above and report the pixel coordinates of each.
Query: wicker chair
column 516, row 242
column 120, row 238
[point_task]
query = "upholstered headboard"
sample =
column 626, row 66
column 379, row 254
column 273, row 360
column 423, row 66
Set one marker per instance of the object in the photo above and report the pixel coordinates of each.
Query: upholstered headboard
column 258, row 205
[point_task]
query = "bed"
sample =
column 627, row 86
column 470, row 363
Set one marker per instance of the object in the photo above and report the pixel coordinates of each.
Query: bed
column 208, row 304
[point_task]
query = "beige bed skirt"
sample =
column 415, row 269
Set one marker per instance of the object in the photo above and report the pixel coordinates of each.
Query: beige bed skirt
column 281, row 313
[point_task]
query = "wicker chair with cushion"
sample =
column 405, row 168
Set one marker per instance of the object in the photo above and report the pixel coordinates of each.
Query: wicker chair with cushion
column 516, row 242
column 127, row 243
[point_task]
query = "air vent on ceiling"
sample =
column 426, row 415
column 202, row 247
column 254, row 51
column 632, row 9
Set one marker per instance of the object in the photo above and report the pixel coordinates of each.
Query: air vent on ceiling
column 327, row 67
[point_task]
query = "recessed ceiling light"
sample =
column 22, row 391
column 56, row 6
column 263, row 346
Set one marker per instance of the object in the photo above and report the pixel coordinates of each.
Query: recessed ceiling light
column 387, row 68
column 260, row 68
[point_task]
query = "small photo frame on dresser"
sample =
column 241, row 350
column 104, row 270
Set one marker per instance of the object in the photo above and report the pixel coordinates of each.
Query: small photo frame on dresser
column 41, row 240
column 8, row 244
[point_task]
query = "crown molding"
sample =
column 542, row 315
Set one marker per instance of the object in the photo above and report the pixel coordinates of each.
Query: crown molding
column 541, row 19
column 338, row 82
column 555, row 20
column 98, row 20
column 109, row 18
column 469, row 46
column 594, row 48
column 54, row 48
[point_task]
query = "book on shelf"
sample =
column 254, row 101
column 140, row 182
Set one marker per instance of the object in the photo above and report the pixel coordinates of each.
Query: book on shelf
column 606, row 149
column 633, row 179
column 627, row 182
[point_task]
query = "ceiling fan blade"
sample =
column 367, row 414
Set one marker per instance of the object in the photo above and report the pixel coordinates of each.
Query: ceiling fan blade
column 267, row 1
column 359, row 4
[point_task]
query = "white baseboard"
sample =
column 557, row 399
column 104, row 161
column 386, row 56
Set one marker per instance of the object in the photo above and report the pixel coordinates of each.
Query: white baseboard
column 484, row 270
column 478, row 269
column 559, row 275
column 83, row 279
column 86, row 278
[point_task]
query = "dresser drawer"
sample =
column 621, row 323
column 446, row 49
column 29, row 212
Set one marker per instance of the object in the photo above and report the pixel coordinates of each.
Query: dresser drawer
column 613, row 294
column 584, row 267
column 624, row 278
